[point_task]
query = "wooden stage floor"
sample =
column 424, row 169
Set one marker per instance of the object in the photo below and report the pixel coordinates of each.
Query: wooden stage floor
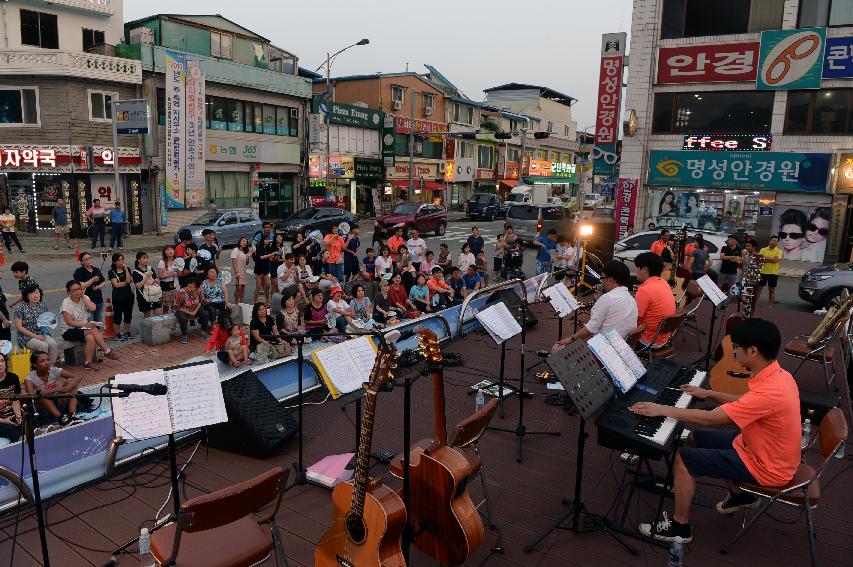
column 525, row 497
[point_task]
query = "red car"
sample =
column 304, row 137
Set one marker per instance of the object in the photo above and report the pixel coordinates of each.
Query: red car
column 425, row 217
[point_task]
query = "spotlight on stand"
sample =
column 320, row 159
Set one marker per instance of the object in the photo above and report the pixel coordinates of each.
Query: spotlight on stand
column 585, row 231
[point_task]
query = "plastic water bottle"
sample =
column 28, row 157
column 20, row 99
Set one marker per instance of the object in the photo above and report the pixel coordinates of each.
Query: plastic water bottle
column 145, row 557
column 807, row 432
column 676, row 553
column 479, row 400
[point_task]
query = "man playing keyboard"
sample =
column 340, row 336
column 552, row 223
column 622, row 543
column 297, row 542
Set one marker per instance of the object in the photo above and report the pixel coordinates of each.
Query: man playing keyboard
column 765, row 450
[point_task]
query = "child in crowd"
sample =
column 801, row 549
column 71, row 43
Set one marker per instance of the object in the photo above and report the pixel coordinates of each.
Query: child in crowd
column 482, row 267
column 444, row 258
column 369, row 269
column 49, row 379
column 237, row 348
column 21, row 272
column 500, row 250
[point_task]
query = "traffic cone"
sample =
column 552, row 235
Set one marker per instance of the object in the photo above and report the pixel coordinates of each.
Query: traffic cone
column 77, row 250
column 109, row 327
column 2, row 257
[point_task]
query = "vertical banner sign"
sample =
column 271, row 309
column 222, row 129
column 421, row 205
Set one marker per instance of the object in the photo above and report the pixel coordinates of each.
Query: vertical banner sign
column 195, row 142
column 609, row 102
column 175, row 65
column 626, row 205
column 791, row 59
column 388, row 140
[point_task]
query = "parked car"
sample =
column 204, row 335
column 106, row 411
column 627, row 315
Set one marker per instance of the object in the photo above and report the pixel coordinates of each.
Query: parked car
column 529, row 221
column 632, row 246
column 820, row 286
column 425, row 217
column 590, row 200
column 314, row 218
column 229, row 226
column 486, row 206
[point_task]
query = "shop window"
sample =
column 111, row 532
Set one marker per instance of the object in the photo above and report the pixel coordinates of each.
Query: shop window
column 161, row 108
column 484, row 157
column 719, row 111
column 542, row 155
column 466, row 150
column 91, row 38
column 269, row 119
column 433, row 150
column 259, row 118
column 100, row 106
column 513, row 154
column 822, row 13
column 694, row 18
column 401, row 144
column 555, row 157
column 19, row 106
column 429, row 103
column 249, row 117
column 218, row 113
column 229, row 189
column 828, row 111
column 397, row 94
column 39, row 29
column 463, row 113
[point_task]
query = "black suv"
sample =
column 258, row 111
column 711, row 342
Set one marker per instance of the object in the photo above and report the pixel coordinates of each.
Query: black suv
column 487, row 206
column 314, row 218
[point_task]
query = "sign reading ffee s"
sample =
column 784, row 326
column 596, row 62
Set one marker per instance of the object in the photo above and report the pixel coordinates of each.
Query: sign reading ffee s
column 728, row 142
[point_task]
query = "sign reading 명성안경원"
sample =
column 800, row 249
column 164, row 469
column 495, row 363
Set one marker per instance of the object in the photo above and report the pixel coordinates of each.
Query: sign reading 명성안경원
column 779, row 171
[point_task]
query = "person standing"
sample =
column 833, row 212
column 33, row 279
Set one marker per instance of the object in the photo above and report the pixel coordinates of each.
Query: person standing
column 417, row 248
column 263, row 254
column 475, row 241
column 121, row 281
column 662, row 249
column 144, row 279
column 97, row 216
column 772, row 255
column 118, row 220
column 729, row 259
column 60, row 223
column 546, row 245
column 466, row 258
column 350, row 250
column 211, row 207
column 92, row 281
column 697, row 262
column 168, row 275
column 239, row 259
column 500, row 249
column 7, row 222
column 334, row 246
column 396, row 241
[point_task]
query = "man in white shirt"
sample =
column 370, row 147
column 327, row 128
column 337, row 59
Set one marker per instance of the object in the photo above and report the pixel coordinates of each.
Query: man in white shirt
column 616, row 309
column 417, row 248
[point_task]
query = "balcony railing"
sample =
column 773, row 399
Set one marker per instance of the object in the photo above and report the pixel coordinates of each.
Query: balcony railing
column 70, row 64
column 102, row 7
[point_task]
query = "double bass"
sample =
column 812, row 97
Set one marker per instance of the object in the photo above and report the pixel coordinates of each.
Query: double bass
column 368, row 517
column 447, row 525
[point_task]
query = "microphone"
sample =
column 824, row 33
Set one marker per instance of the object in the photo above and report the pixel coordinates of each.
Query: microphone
column 151, row 389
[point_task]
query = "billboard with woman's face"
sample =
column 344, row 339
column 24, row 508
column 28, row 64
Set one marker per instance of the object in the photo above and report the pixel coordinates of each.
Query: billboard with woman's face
column 802, row 231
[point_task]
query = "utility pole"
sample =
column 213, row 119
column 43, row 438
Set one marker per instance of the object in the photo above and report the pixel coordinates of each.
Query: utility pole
column 412, row 146
column 327, row 120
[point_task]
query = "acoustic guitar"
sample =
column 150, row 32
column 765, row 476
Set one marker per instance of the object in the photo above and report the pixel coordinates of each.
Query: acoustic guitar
column 368, row 517
column 677, row 282
column 727, row 374
column 447, row 525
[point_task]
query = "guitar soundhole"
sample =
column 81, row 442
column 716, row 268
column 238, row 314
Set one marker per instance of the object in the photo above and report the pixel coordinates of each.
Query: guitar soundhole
column 356, row 530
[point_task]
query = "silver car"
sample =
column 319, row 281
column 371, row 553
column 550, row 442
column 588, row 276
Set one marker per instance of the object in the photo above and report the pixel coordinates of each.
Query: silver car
column 530, row 221
column 229, row 226
column 820, row 286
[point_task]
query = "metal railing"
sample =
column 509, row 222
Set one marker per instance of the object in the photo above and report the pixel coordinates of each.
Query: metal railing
column 481, row 292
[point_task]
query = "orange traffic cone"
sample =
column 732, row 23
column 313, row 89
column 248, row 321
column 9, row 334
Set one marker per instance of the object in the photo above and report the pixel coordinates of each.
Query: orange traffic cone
column 109, row 327
column 77, row 250
column 2, row 257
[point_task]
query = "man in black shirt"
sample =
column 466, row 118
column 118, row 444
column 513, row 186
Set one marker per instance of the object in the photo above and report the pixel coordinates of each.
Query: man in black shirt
column 212, row 249
column 730, row 257
column 475, row 241
column 457, row 284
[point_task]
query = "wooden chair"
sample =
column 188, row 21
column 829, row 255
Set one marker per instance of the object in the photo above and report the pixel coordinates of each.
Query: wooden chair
column 219, row 529
column 803, row 491
column 823, row 354
column 669, row 325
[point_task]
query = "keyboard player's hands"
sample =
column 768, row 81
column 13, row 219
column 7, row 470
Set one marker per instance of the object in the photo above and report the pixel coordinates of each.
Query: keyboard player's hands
column 649, row 409
column 698, row 393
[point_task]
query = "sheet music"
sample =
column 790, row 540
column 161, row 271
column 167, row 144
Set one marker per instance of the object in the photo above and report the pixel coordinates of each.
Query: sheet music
column 623, row 377
column 626, row 353
column 711, row 290
column 593, row 273
column 347, row 365
column 499, row 322
column 195, row 396
column 140, row 415
column 561, row 299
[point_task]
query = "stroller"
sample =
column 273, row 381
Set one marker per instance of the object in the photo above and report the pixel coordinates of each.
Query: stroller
column 512, row 265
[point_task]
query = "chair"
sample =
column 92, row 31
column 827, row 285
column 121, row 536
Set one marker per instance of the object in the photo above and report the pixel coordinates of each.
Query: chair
column 823, row 353
column 220, row 530
column 692, row 292
column 669, row 325
column 803, row 491
column 633, row 337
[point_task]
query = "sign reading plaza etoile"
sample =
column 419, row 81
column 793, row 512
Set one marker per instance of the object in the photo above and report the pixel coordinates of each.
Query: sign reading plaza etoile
column 609, row 98
column 779, row 171
column 349, row 115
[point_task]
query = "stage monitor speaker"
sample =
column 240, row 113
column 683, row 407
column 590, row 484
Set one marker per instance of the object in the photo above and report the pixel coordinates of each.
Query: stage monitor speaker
column 257, row 424
column 513, row 303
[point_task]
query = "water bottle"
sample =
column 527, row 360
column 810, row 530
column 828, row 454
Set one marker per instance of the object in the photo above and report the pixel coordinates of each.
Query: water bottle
column 807, row 433
column 676, row 553
column 479, row 400
column 145, row 557
column 840, row 453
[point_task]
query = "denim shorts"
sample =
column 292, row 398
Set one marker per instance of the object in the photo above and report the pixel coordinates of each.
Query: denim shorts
column 713, row 456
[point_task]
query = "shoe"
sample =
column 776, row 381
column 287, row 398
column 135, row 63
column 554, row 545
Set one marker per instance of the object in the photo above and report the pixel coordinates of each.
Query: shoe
column 90, row 366
column 205, row 335
column 56, row 247
column 735, row 502
column 668, row 530
column 64, row 419
column 184, row 340
column 119, row 337
column 111, row 355
column 128, row 336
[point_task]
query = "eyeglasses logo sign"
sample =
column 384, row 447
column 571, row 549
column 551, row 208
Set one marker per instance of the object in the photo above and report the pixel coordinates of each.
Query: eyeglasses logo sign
column 669, row 167
column 791, row 59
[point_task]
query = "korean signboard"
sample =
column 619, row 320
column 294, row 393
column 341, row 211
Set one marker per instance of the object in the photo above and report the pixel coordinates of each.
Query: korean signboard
column 609, row 97
column 708, row 63
column 404, row 124
column 195, row 146
column 485, row 173
column 368, row 169
column 626, row 205
column 780, row 171
column 341, row 167
column 450, row 172
column 248, row 151
column 337, row 113
column 838, row 62
column 131, row 116
column 175, row 65
column 791, row 59
column 388, row 141
column 844, row 175
column 511, row 170
column 728, row 142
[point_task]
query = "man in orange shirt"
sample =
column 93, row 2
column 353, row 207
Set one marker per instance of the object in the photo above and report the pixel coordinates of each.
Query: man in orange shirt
column 655, row 301
column 766, row 450
column 396, row 241
column 662, row 249
column 437, row 286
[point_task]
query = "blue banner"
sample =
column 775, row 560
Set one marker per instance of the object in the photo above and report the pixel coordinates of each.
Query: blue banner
column 838, row 61
column 778, row 171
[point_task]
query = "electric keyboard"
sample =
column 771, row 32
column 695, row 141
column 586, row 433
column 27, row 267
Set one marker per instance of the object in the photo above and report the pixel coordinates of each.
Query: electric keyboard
column 650, row 437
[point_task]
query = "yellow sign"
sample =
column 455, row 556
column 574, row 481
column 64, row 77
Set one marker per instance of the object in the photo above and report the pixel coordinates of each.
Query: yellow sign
column 449, row 171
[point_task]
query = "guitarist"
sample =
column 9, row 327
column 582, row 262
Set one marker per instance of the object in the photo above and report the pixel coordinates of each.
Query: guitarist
column 662, row 249
column 615, row 309
column 729, row 258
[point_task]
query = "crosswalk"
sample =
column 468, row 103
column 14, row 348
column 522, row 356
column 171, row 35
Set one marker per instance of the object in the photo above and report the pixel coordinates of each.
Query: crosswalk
column 455, row 237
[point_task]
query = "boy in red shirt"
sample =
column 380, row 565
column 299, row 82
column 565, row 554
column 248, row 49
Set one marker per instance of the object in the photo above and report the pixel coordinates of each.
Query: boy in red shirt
column 765, row 449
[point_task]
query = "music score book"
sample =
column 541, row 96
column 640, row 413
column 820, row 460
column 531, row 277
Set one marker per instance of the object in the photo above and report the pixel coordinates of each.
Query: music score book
column 707, row 285
column 193, row 400
column 561, row 299
column 620, row 361
column 345, row 367
column 499, row 322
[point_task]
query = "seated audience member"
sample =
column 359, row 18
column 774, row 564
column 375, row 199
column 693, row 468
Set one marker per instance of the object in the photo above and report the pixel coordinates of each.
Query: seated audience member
column 76, row 326
column 457, row 284
column 315, row 314
column 440, row 292
column 214, row 293
column 287, row 275
column 419, row 294
column 472, row 280
column 30, row 334
column 340, row 308
column 615, row 310
column 188, row 308
column 383, row 309
column 444, row 259
column 482, row 267
column 655, row 301
column 369, row 264
column 219, row 336
column 10, row 410
column 761, row 445
column 48, row 379
column 264, row 339
column 362, row 307
column 236, row 347
column 428, row 264
column 383, row 264
column 21, row 272
column 289, row 320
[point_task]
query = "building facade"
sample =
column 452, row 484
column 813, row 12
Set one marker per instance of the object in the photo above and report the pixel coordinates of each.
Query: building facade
column 735, row 133
column 231, row 117
column 59, row 73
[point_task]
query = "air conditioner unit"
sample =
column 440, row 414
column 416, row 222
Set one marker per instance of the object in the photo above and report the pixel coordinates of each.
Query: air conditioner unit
column 144, row 36
column 398, row 105
column 428, row 111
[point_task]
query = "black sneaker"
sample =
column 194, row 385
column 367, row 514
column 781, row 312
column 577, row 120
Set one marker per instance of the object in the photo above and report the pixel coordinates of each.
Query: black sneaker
column 735, row 502
column 64, row 419
column 668, row 530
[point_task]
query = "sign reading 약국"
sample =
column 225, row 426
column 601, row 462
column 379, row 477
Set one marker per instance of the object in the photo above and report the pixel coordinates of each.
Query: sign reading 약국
column 791, row 59
column 780, row 171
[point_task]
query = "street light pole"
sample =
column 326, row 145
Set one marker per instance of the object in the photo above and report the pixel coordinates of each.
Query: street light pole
column 412, row 146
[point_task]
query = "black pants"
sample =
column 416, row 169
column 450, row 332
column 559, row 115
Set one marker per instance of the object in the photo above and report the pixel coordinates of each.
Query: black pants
column 115, row 234
column 13, row 237
column 100, row 228
column 10, row 432
column 184, row 319
column 122, row 309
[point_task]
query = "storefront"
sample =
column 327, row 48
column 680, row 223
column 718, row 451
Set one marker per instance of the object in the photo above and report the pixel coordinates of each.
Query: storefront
column 34, row 177
column 758, row 193
column 560, row 176
column 428, row 182
column 460, row 179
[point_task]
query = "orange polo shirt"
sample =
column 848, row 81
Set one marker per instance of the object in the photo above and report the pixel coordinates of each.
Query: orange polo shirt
column 655, row 302
column 657, row 247
column 768, row 416
column 394, row 244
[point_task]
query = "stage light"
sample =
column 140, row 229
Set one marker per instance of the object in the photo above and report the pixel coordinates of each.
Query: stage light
column 585, row 230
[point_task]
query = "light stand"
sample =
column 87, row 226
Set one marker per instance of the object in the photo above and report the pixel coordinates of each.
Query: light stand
column 585, row 232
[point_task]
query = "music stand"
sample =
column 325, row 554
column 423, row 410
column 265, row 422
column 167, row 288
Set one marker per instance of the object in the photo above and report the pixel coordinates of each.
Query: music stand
column 589, row 387
column 718, row 300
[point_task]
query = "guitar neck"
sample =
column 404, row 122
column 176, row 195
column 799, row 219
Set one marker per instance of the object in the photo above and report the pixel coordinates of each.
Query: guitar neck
column 362, row 460
column 438, row 406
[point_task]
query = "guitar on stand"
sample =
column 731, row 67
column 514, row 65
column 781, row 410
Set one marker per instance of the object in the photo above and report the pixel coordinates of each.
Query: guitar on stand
column 727, row 374
column 676, row 282
column 447, row 527
column 368, row 517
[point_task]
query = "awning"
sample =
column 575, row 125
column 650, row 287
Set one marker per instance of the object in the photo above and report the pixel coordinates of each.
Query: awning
column 509, row 182
column 427, row 185
column 550, row 180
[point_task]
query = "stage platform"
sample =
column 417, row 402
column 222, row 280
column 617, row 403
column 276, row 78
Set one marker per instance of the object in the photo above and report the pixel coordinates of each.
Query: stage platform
column 526, row 497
